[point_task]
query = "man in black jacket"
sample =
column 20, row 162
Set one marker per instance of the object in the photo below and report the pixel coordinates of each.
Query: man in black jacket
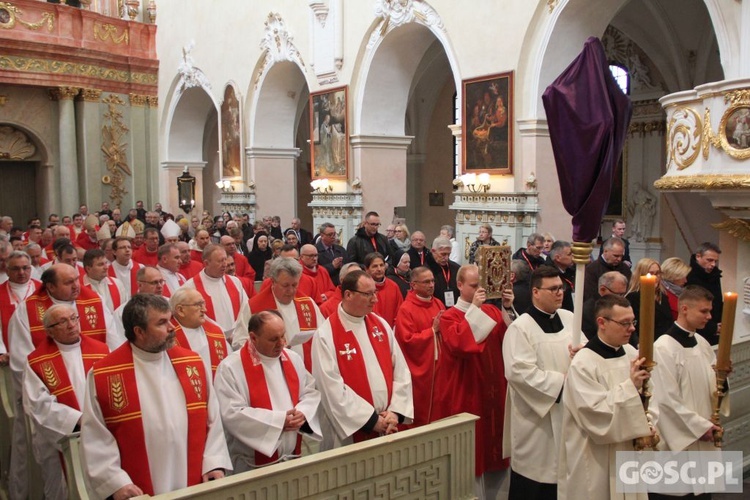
column 561, row 258
column 445, row 272
column 330, row 255
column 706, row 273
column 532, row 254
column 367, row 240
column 610, row 260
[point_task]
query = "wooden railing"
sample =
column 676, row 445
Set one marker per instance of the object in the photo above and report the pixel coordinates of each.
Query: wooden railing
column 434, row 461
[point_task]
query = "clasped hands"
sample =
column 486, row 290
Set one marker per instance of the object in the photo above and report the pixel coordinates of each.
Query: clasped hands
column 387, row 423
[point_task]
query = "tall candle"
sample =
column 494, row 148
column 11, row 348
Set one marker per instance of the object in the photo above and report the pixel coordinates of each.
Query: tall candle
column 646, row 321
column 727, row 331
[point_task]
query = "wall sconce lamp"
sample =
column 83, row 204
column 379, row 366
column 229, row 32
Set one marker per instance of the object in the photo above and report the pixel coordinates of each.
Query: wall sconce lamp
column 186, row 191
column 321, row 186
column 356, row 184
column 476, row 183
column 225, row 186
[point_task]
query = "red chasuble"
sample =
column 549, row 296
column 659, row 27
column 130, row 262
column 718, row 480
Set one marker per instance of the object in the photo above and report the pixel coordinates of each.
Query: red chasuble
column 90, row 313
column 242, row 267
column 257, row 387
column 143, row 256
column 351, row 363
column 306, row 317
column 8, row 305
column 133, row 280
column 217, row 342
column 471, row 378
column 234, row 296
column 117, row 392
column 329, row 306
column 389, row 300
column 322, row 280
column 191, row 269
column 49, row 365
column 83, row 241
column 415, row 336
column 197, row 256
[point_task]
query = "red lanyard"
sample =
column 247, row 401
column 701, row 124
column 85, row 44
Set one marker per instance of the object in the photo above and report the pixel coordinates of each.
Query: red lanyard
column 446, row 276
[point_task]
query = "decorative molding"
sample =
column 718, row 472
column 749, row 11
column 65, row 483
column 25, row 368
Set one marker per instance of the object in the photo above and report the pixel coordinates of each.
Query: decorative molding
column 278, row 45
column 63, row 93
column 381, row 141
column 622, row 50
column 738, row 228
column 54, row 67
column 138, row 100
column 320, row 9
column 114, row 148
column 10, row 15
column 108, row 31
column 643, row 128
column 238, row 202
column 647, row 107
column 394, row 13
column 703, row 182
column 3, row 100
column 190, row 76
column 287, row 153
column 152, row 101
column 90, row 95
column 684, row 133
column 551, row 4
column 15, row 145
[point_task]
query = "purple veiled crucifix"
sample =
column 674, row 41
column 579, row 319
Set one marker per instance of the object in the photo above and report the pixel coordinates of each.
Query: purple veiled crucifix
column 588, row 117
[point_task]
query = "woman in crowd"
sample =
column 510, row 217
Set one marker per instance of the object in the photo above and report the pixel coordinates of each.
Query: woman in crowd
column 484, row 238
column 400, row 242
column 549, row 239
column 291, row 238
column 401, row 274
column 260, row 253
column 674, row 272
column 662, row 315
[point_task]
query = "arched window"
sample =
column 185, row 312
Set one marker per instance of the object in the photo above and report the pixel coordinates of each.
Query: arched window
column 622, row 77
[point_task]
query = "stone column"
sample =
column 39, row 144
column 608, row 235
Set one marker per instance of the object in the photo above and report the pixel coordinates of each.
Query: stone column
column 91, row 166
column 151, row 146
column 273, row 170
column 68, row 153
column 380, row 162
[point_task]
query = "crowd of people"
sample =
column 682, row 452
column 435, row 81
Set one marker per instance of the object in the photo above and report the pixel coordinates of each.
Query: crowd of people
column 187, row 348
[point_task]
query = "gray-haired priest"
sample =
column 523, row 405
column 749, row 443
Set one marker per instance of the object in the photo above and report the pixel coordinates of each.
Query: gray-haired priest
column 267, row 398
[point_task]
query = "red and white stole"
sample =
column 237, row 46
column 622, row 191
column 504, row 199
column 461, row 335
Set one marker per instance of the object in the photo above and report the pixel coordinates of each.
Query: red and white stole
column 166, row 292
column 307, row 320
column 114, row 292
column 234, row 295
column 257, row 387
column 217, row 342
column 133, row 280
column 90, row 313
column 351, row 362
column 8, row 304
column 48, row 364
column 117, row 392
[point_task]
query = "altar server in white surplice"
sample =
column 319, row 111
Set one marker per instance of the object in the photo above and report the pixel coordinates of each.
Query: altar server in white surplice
column 359, row 369
column 684, row 379
column 226, row 301
column 54, row 386
column 124, row 268
column 267, row 398
column 151, row 422
column 602, row 412
column 536, row 356
column 169, row 265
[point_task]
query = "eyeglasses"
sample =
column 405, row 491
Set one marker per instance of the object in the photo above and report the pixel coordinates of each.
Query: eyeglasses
column 199, row 305
column 311, row 255
column 553, row 289
column 330, row 235
column 72, row 320
column 374, row 224
column 425, row 282
column 624, row 324
column 369, row 295
column 613, row 292
column 153, row 283
column 19, row 268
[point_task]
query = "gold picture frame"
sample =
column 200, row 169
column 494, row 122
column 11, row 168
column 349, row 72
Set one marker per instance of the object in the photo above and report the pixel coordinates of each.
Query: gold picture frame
column 329, row 133
column 734, row 131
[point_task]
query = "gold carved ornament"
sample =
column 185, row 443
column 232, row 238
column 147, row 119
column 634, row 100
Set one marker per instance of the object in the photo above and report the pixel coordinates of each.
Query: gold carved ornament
column 703, row 182
column 108, row 31
column 10, row 15
column 684, row 132
column 15, row 145
column 738, row 228
column 114, row 149
column 739, row 101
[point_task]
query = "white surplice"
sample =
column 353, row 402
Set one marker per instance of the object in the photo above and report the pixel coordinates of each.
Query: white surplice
column 172, row 280
column 250, row 429
column 122, row 273
column 101, row 288
column 345, row 411
column 196, row 337
column 602, row 415
column 234, row 327
column 294, row 337
column 162, row 402
column 18, row 293
column 535, row 367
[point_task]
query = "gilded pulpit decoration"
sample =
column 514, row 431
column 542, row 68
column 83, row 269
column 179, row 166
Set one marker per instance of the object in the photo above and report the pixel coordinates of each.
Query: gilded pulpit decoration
column 705, row 182
column 494, row 269
column 684, row 133
column 738, row 228
column 114, row 148
column 278, row 45
column 10, row 15
column 15, row 145
column 734, row 127
column 108, row 31
column 230, row 135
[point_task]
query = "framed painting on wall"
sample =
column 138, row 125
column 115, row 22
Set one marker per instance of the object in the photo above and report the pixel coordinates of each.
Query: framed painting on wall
column 487, row 118
column 231, row 149
column 329, row 131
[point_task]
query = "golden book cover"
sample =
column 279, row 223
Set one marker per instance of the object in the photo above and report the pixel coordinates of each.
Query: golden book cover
column 494, row 269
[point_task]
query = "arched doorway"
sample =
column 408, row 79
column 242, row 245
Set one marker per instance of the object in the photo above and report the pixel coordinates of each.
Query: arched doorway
column 21, row 158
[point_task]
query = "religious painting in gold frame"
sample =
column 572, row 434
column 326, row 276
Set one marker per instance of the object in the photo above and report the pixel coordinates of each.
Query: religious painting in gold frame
column 487, row 117
column 329, row 133
column 734, row 131
column 231, row 148
column 494, row 269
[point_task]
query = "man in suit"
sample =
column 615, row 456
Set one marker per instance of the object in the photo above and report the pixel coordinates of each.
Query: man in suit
column 330, row 255
column 303, row 236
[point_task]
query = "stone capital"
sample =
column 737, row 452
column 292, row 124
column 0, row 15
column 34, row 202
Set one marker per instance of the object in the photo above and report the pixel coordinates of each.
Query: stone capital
column 63, row 93
column 90, row 95
column 138, row 100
